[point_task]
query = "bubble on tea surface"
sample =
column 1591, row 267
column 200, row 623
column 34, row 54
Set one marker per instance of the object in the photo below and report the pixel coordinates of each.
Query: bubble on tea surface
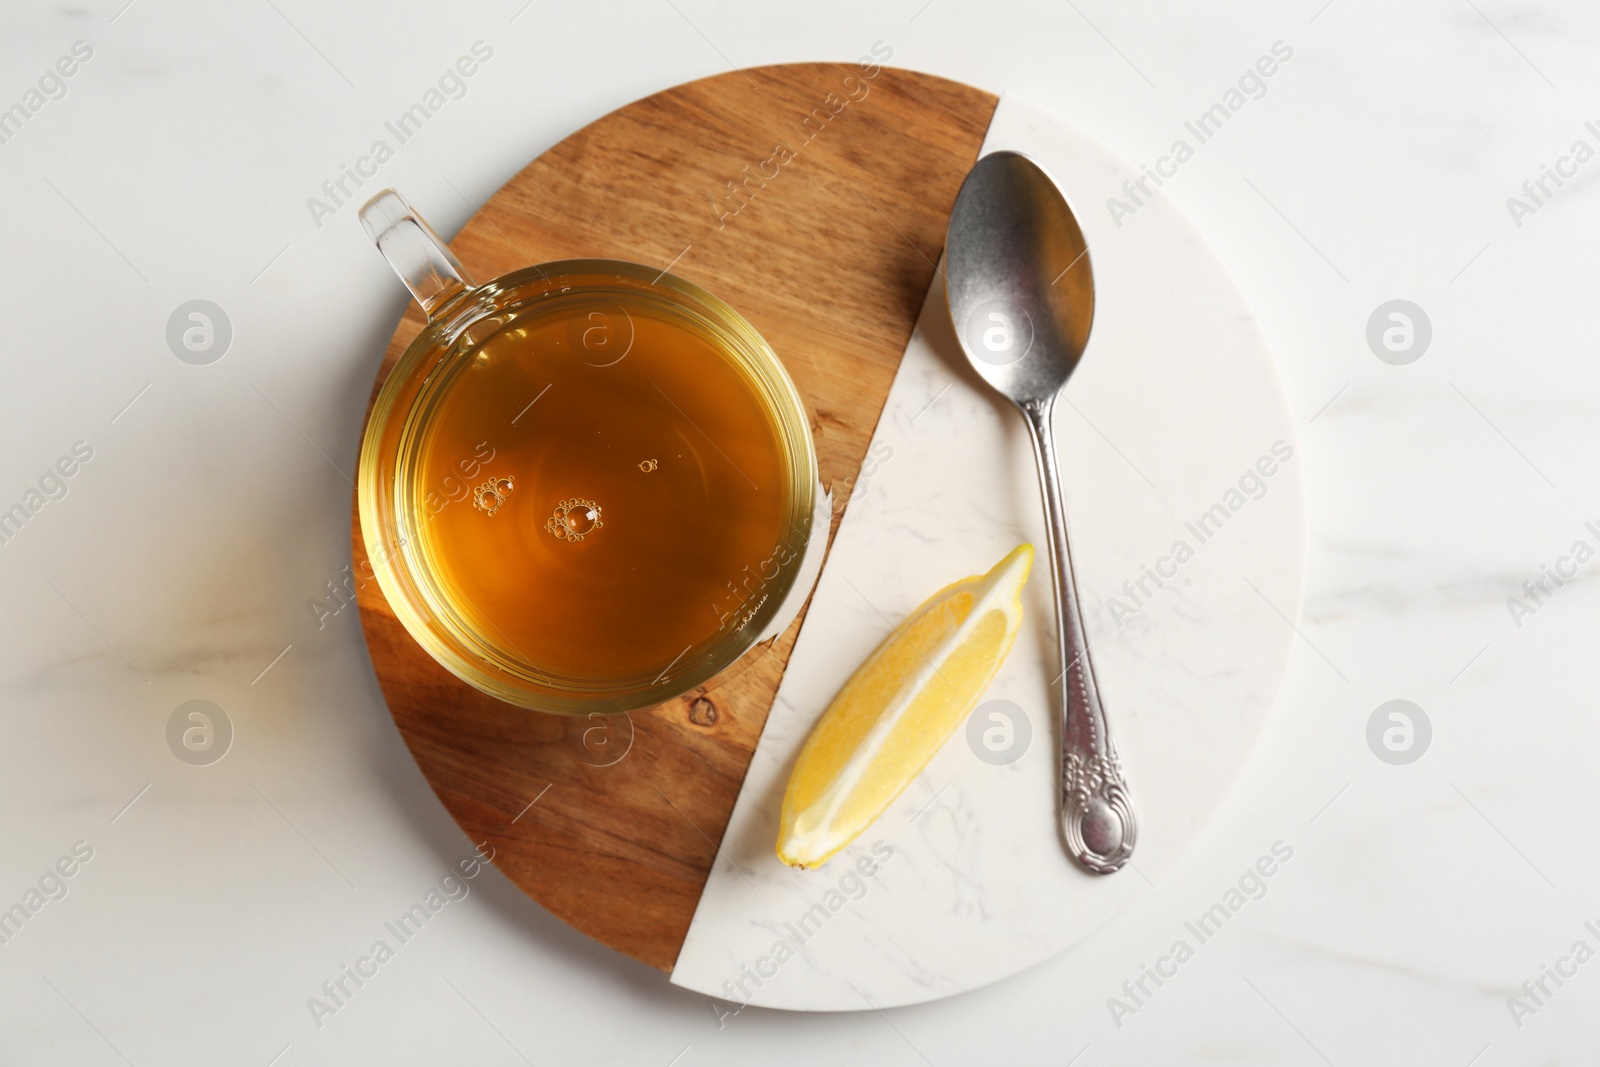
column 489, row 496
column 574, row 519
column 647, row 465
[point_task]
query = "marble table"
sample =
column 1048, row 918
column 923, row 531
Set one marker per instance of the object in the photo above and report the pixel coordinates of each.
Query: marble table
column 1395, row 156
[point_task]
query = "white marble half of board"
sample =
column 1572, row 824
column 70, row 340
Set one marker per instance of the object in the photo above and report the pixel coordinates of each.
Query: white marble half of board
column 1165, row 431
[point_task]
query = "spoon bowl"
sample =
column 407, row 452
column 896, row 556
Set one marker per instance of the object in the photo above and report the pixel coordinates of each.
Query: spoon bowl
column 1019, row 278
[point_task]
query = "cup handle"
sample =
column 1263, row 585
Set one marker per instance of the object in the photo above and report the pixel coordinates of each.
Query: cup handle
column 424, row 262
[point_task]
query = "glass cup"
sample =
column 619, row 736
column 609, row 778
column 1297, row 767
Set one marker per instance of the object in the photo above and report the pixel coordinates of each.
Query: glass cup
column 611, row 540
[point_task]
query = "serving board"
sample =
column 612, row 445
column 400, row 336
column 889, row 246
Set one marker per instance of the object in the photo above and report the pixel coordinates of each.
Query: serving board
column 828, row 248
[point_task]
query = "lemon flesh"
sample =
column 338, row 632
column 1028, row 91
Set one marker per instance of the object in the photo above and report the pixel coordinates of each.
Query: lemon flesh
column 898, row 709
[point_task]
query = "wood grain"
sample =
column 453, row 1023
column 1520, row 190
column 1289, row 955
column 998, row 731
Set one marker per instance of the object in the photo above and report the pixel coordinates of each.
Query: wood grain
column 826, row 242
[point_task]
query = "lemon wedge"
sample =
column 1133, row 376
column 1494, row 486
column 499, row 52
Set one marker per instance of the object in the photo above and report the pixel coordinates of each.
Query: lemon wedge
column 898, row 709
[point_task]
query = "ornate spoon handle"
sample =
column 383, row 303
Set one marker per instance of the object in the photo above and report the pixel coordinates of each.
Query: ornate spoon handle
column 1096, row 810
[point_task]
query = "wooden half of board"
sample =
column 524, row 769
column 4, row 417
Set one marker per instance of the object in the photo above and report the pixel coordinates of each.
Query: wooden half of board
column 813, row 198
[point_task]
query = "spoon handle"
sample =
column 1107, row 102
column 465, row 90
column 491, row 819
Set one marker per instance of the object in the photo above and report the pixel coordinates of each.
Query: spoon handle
column 1096, row 811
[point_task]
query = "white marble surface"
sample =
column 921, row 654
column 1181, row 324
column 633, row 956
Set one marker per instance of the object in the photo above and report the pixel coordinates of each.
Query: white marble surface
column 1376, row 166
column 1177, row 399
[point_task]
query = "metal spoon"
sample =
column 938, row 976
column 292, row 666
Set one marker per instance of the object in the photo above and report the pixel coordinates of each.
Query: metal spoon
column 1021, row 298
